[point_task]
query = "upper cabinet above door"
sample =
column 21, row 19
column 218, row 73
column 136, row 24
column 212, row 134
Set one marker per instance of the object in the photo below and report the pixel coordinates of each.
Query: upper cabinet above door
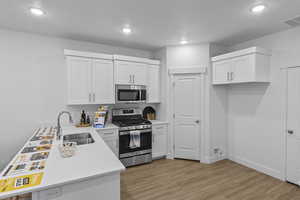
column 248, row 65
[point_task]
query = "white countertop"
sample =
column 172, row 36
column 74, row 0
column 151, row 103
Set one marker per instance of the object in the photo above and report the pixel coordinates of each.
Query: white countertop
column 108, row 126
column 91, row 160
column 157, row 122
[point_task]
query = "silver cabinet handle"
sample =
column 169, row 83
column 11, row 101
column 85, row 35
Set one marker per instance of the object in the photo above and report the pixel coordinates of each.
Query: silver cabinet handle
column 291, row 132
column 133, row 78
column 158, row 128
column 94, row 97
column 227, row 76
column 90, row 97
column 231, row 76
column 108, row 133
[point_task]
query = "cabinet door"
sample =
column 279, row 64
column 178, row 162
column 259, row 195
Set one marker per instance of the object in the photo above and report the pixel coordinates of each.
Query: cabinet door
column 113, row 145
column 159, row 141
column 103, row 82
column 221, row 70
column 243, row 69
column 79, row 84
column 139, row 73
column 153, row 85
column 123, row 73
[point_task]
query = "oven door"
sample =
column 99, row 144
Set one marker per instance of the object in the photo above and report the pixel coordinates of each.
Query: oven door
column 145, row 143
column 143, row 95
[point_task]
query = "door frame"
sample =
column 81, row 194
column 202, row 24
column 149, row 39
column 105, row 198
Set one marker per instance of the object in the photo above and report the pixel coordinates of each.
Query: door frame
column 284, row 74
column 193, row 71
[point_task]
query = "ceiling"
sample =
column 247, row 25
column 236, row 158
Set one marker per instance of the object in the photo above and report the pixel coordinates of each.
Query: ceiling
column 155, row 23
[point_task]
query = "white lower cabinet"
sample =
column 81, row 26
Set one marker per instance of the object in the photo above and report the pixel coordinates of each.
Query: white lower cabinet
column 110, row 137
column 159, row 140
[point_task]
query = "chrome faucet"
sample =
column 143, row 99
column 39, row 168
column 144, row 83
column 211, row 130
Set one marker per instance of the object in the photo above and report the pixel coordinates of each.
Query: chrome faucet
column 58, row 133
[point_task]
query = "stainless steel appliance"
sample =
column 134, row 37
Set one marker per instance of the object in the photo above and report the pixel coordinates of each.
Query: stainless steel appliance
column 129, row 121
column 131, row 94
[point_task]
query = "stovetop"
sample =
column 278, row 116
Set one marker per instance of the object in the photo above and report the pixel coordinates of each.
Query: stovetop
column 131, row 122
column 130, row 119
column 124, row 123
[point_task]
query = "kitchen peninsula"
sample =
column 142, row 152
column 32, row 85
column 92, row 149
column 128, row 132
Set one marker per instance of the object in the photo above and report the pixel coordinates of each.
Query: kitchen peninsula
column 94, row 171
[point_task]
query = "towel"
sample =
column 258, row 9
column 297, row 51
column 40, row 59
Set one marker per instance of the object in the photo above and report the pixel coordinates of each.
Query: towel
column 135, row 139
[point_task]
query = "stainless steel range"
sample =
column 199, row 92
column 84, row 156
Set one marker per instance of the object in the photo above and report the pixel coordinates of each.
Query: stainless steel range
column 135, row 136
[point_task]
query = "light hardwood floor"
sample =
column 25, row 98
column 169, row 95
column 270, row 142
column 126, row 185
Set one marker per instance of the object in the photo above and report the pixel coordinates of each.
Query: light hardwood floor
column 190, row 180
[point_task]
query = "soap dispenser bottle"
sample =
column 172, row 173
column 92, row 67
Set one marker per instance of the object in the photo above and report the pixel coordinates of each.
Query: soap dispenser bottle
column 83, row 117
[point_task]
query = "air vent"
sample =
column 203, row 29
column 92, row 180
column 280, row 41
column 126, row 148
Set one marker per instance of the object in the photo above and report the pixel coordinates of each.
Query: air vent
column 293, row 22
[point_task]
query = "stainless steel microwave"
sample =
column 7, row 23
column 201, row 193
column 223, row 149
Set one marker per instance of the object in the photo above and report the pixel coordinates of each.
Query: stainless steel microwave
column 131, row 94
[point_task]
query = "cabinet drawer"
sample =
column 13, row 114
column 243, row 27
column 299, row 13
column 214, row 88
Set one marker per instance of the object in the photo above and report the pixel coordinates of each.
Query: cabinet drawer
column 159, row 129
column 112, row 133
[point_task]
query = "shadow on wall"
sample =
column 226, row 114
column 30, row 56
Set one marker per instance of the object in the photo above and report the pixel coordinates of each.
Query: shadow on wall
column 247, row 97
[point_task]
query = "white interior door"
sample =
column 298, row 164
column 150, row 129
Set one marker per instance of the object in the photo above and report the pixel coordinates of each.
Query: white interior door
column 293, row 126
column 187, row 101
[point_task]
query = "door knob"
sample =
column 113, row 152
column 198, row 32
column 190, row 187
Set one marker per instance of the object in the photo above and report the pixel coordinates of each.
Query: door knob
column 291, row 132
column 197, row 121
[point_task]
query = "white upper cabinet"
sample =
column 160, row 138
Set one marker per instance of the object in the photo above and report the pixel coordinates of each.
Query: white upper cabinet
column 92, row 76
column 130, row 73
column 79, row 84
column 153, row 85
column 248, row 65
column 90, row 80
column 103, row 82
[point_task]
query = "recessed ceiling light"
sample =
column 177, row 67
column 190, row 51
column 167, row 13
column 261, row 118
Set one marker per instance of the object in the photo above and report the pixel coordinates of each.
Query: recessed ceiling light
column 127, row 30
column 183, row 42
column 258, row 8
column 37, row 11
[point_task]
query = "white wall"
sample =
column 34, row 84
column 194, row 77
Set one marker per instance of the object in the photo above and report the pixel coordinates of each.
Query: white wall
column 33, row 83
column 188, row 55
column 256, row 124
column 218, row 106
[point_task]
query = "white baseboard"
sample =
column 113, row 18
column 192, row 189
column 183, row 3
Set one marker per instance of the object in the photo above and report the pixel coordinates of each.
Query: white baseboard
column 170, row 156
column 259, row 167
column 213, row 159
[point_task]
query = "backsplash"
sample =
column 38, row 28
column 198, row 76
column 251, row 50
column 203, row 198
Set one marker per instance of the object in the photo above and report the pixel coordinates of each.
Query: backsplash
column 90, row 109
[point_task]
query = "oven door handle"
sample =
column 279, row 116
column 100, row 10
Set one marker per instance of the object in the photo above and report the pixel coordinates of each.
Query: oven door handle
column 141, row 131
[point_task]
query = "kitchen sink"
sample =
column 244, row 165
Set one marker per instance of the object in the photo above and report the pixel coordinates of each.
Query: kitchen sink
column 79, row 138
